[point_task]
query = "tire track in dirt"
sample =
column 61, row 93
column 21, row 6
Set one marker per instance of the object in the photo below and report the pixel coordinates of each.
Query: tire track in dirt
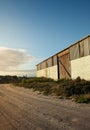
column 26, row 111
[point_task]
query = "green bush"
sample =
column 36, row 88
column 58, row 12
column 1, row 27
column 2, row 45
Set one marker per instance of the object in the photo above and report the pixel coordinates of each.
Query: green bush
column 47, row 91
column 73, row 87
column 82, row 99
column 39, row 79
column 62, row 87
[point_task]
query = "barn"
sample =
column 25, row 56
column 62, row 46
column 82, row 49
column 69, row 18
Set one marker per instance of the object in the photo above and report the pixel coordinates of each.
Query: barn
column 71, row 62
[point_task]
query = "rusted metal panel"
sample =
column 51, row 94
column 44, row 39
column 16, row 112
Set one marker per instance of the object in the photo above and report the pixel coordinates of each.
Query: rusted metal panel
column 64, row 66
column 74, row 52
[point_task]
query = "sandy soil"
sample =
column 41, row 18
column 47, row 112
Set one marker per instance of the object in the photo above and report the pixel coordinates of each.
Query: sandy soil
column 22, row 109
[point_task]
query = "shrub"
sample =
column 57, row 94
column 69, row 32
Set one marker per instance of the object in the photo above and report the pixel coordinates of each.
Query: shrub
column 47, row 91
column 62, row 87
column 63, row 81
column 39, row 79
column 82, row 99
column 72, row 87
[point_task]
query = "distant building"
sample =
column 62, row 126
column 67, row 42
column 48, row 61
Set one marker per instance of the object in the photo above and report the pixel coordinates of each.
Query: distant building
column 71, row 62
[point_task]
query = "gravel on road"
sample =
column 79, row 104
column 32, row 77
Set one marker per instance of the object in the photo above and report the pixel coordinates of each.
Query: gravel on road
column 23, row 109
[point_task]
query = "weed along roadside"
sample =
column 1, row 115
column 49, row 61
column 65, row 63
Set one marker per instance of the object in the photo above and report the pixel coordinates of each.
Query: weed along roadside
column 78, row 90
column 23, row 109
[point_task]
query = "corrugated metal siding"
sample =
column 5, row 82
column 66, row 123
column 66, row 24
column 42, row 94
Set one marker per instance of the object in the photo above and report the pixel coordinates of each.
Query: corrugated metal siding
column 74, row 52
column 81, row 44
column 38, row 67
column 80, row 49
column 54, row 60
column 49, row 62
column 89, row 45
column 43, row 65
column 86, row 47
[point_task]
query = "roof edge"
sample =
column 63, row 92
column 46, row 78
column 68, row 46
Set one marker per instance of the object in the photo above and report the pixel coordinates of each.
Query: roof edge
column 66, row 48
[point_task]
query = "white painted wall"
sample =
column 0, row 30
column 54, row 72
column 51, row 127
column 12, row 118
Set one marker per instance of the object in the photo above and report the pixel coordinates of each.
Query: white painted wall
column 41, row 73
column 50, row 72
column 81, row 67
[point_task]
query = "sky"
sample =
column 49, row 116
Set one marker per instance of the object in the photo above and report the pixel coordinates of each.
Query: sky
column 33, row 30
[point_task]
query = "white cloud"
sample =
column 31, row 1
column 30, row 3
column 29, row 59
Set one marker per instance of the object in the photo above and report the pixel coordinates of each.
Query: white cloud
column 11, row 59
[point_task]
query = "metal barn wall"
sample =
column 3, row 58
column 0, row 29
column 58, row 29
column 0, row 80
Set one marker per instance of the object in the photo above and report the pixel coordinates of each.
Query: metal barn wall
column 72, row 62
column 80, row 49
column 74, row 52
column 80, row 59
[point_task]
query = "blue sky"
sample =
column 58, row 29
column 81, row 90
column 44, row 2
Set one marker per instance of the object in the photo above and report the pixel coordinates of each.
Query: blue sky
column 42, row 27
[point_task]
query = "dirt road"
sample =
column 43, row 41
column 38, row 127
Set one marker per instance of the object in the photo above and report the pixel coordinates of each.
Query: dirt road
column 22, row 109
